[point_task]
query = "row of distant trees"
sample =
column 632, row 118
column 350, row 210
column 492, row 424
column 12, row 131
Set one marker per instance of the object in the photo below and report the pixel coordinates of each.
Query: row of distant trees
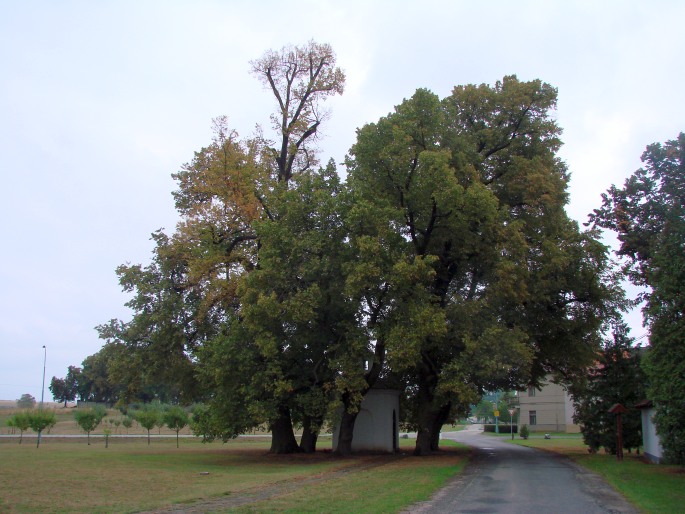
column 37, row 420
column 94, row 381
column 148, row 416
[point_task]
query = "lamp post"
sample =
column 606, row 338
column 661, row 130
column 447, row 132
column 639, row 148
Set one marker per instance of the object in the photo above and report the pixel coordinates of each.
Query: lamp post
column 42, row 391
column 496, row 413
column 512, row 410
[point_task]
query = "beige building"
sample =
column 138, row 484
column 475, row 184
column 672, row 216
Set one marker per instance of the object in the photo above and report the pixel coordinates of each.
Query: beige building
column 548, row 409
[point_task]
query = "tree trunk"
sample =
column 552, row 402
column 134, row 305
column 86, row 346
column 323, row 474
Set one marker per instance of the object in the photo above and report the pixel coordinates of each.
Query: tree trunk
column 431, row 420
column 427, row 413
column 345, row 434
column 282, row 434
column 310, row 434
column 423, row 442
column 440, row 420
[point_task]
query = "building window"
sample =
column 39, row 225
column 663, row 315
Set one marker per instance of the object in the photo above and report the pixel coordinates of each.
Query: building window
column 533, row 417
column 531, row 391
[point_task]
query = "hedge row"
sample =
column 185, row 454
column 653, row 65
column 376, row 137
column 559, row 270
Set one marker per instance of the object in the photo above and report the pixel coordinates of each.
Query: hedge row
column 504, row 428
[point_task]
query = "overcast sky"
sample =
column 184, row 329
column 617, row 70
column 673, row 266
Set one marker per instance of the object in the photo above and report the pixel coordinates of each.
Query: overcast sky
column 100, row 101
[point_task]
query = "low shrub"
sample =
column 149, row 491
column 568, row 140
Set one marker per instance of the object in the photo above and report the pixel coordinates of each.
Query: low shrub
column 504, row 428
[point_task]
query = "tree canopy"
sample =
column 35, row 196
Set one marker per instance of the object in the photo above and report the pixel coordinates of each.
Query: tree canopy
column 648, row 216
column 66, row 389
column 615, row 377
column 300, row 79
column 511, row 289
column 445, row 265
column 27, row 401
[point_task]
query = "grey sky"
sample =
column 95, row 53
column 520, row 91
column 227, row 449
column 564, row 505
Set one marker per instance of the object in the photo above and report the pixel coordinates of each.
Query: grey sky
column 101, row 101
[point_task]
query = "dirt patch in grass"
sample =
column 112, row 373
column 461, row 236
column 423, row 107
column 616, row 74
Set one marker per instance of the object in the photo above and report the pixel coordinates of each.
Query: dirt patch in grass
column 386, row 484
column 286, row 486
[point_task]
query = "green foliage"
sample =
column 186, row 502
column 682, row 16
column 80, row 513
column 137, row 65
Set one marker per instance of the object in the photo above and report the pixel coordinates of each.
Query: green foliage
column 665, row 368
column 89, row 419
column 504, row 428
column 524, row 432
column 482, row 411
column 446, row 263
column 615, row 378
column 471, row 186
column 154, row 363
column 96, row 382
column 26, row 401
column 648, row 215
column 65, row 389
column 58, row 389
column 22, row 421
column 176, row 418
column 41, row 419
column 127, row 422
column 199, row 422
column 485, row 408
column 148, row 418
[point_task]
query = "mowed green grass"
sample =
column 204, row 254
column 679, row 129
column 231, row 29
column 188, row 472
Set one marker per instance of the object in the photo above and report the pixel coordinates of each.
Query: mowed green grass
column 386, row 489
column 652, row 488
column 129, row 476
column 69, row 476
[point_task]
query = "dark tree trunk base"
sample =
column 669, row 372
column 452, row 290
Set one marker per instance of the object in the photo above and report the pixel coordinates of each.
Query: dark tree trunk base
column 310, row 434
column 345, row 434
column 423, row 443
column 282, row 435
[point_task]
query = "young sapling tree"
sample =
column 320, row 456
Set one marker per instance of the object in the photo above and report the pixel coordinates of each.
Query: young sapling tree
column 176, row 418
column 40, row 420
column 89, row 419
column 147, row 418
column 20, row 421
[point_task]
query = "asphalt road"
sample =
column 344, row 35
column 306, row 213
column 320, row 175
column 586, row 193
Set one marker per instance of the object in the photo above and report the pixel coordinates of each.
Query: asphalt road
column 512, row 479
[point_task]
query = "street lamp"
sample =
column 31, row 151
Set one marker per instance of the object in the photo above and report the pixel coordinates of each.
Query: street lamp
column 496, row 413
column 512, row 410
column 42, row 391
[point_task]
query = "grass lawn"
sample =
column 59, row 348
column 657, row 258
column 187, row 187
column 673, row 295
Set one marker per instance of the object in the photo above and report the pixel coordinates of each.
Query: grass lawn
column 652, row 488
column 385, row 489
column 70, row 476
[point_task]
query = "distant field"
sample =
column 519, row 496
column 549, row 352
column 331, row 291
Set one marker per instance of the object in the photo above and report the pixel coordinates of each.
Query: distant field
column 12, row 404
